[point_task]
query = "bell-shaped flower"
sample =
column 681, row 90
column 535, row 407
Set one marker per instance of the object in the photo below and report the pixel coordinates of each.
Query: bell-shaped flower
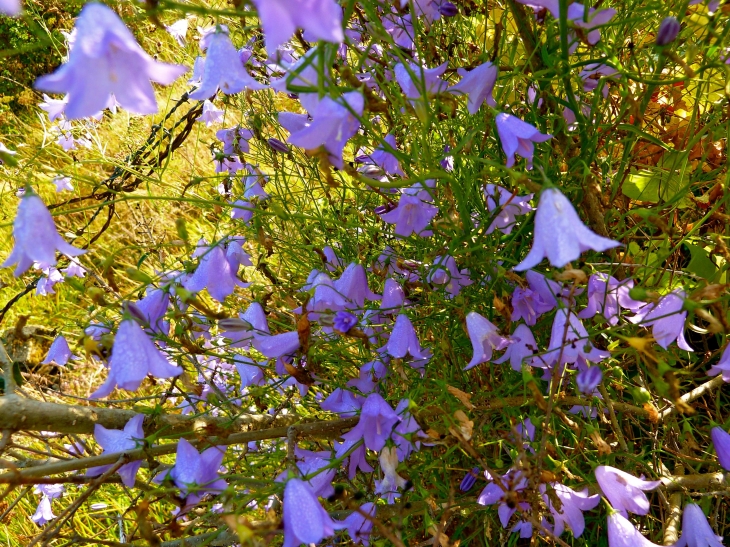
column 215, row 272
column 507, row 206
column 666, row 319
column 222, row 69
column 393, row 296
column 106, row 59
column 133, row 357
column 212, row 114
column 353, row 285
column 385, row 159
column 624, row 491
column 696, row 531
column 242, row 330
column 377, row 420
column 36, row 238
column 588, row 379
column 478, row 84
column 407, row 432
column 305, row 520
column 403, row 341
column 572, row 505
column 278, row 345
column 418, row 83
column 485, row 338
column 358, row 526
column 196, row 473
column 392, row 481
column 589, row 22
column 343, row 402
column 722, row 366
column 59, row 353
column 120, row 440
column 154, row 307
column 520, row 349
column 320, row 19
column 445, row 272
column 560, row 235
column 569, row 340
column 721, row 440
column 250, row 371
column 333, row 123
column 621, row 533
column 518, row 137
column 357, row 458
column 43, row 512
column 319, row 466
column 606, row 295
column 235, row 140
column 411, row 216
column 51, row 277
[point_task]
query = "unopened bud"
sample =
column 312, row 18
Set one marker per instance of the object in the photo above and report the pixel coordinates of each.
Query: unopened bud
column 668, row 30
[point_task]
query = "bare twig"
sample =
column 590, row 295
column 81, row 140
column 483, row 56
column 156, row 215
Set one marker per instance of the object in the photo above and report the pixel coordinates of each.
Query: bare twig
column 696, row 393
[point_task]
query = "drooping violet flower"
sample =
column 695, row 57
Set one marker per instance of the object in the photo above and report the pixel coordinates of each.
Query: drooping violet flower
column 445, row 272
column 343, row 402
column 621, row 533
column 403, row 341
column 573, row 503
column 423, row 83
column 59, row 353
column 512, row 481
column 447, row 9
column 696, row 531
column 411, row 216
column 53, row 491
column 353, row 285
column 383, row 158
column 216, row 271
column 53, row 107
column 520, row 349
column 507, row 206
column 721, row 440
column 43, row 512
column 250, row 371
column 106, row 59
column 321, row 19
column 560, row 235
column 63, row 183
column 316, row 464
column 358, row 526
column 211, row 114
column 569, row 340
column 133, row 357
column 485, row 338
column 357, row 457
column 153, row 308
column 392, row 481
column 406, row 432
column 74, row 268
column 242, row 330
column 469, row 480
column 519, row 137
column 120, row 440
column 278, row 345
column 46, row 283
column 223, row 70
column 668, row 30
column 36, row 238
column 235, row 140
column 305, row 520
column 606, row 294
column 722, row 366
column 528, row 304
column 588, row 379
column 478, row 84
column 278, row 146
column 393, row 296
column 666, row 319
column 196, row 473
column 178, row 30
column 344, row 321
column 624, row 491
column 377, row 420
column 592, row 74
column 588, row 23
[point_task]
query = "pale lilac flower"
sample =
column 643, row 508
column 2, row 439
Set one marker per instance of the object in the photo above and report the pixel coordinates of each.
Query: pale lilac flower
column 353, row 285
column 588, row 379
column 59, row 353
column 358, row 527
column 251, row 372
column 343, row 402
column 43, row 512
column 196, row 473
column 53, row 491
column 569, row 340
column 418, row 83
column 411, row 216
column 722, row 366
column 518, row 137
column 235, row 140
column 178, row 30
column 211, row 114
column 403, row 341
column 666, row 319
column 624, row 491
column 305, row 520
column 444, row 271
column 573, row 504
column 560, row 235
column 120, row 440
column 223, row 70
column 528, row 304
column 392, row 481
column 357, row 457
column 407, row 432
column 696, row 531
column 63, row 183
column 242, row 330
column 507, row 206
column 74, row 269
column 316, row 464
column 53, row 107
column 36, row 238
column 606, row 294
column 46, row 283
column 485, row 338
column 377, row 419
column 478, row 84
column 153, row 308
column 321, row 19
column 133, row 357
column 590, row 23
column 621, row 533
column 278, row 345
column 592, row 74
column 721, row 440
column 12, row 8
column 216, row 272
column 385, row 159
column 521, row 348
column 106, row 59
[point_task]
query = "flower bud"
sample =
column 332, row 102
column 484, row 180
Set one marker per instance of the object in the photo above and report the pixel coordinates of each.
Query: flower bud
column 668, row 30
column 447, row 9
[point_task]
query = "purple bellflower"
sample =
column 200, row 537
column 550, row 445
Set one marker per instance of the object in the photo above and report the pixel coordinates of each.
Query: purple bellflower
column 314, row 463
column 469, row 480
column 120, row 440
column 423, row 79
column 353, row 285
column 624, row 491
column 521, row 348
column 358, row 526
column 278, row 345
column 357, row 458
column 721, row 440
column 588, row 379
column 560, row 235
column 321, row 19
column 668, row 30
column 485, row 338
column 63, row 183
column 722, row 366
column 377, row 420
column 696, row 531
column 250, row 371
column 392, row 481
column 133, row 357
column 385, row 159
column 621, row 533
column 445, row 272
column 572, row 506
column 518, row 137
column 344, row 321
column 343, row 402
column 528, row 304
column 305, row 520
column 478, row 84
column 212, row 114
column 36, row 238
column 43, row 512
column 666, row 319
column 403, row 341
column 412, row 215
column 507, row 206
column 217, row 271
column 12, row 8
column 222, row 69
column 196, row 473
column 106, row 59
column 59, row 353
column 569, row 340
column 241, row 331
column 406, row 432
column 606, row 295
